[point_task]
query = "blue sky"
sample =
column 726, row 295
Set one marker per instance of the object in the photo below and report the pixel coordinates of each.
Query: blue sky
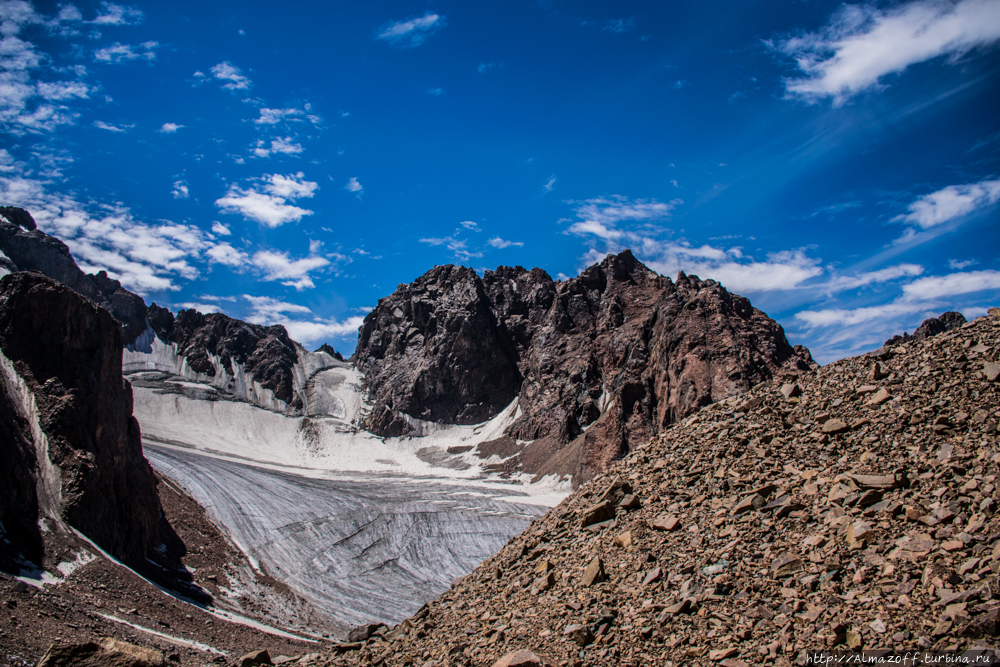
column 291, row 163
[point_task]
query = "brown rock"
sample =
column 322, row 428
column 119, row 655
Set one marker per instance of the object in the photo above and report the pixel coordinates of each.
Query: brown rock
column 991, row 371
column 785, row 566
column 834, row 426
column 255, row 658
column 581, row 634
column 594, row 574
column 668, row 523
column 624, row 540
column 107, row 653
column 723, row 653
column 521, row 658
column 599, row 513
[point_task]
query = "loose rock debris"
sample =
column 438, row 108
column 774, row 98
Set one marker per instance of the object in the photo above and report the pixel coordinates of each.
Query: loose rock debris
column 855, row 511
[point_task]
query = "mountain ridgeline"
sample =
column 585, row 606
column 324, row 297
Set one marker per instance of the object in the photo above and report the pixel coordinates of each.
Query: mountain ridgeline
column 596, row 362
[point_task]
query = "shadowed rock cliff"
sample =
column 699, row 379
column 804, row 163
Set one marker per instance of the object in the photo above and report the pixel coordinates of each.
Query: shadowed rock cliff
column 597, row 362
column 72, row 448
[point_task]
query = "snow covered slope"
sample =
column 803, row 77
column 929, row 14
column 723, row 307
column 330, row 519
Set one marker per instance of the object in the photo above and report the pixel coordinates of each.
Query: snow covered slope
column 364, row 527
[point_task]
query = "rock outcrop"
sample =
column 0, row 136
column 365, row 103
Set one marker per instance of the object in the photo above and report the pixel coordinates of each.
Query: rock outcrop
column 852, row 508
column 30, row 249
column 266, row 353
column 72, row 447
column 930, row 327
column 596, row 362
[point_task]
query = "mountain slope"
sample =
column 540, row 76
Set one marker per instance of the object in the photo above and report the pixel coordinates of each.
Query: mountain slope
column 854, row 508
column 598, row 361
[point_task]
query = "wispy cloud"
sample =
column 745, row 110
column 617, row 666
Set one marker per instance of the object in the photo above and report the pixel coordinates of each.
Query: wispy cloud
column 498, row 242
column 170, row 128
column 112, row 14
column 950, row 203
column 458, row 247
column 436, row 92
column 470, row 225
column 145, row 257
column 411, row 32
column 221, row 229
column 549, row 184
column 284, row 146
column 863, row 44
column 119, row 53
column 232, row 75
column 180, row 190
column 619, row 26
column 354, row 186
column 266, row 199
column 278, row 266
column 270, row 116
column 268, row 311
column 100, row 124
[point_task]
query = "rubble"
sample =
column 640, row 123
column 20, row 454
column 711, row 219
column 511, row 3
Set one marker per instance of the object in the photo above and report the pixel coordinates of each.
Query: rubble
column 759, row 532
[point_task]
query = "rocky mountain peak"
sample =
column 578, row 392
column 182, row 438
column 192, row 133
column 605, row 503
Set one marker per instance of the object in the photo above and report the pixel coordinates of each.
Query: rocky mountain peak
column 597, row 361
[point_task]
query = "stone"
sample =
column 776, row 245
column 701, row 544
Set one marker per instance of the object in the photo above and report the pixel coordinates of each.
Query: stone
column 878, row 626
column 859, row 534
column 668, row 523
column 785, row 566
column 599, row 513
column 255, row 658
column 754, row 502
column 991, row 371
column 835, row 426
column 652, row 576
column 364, row 632
column 853, row 639
column 107, row 652
column 520, row 658
column 723, row 653
column 877, row 481
column 594, row 574
column 879, row 397
column 581, row 634
column 624, row 540
column 791, row 390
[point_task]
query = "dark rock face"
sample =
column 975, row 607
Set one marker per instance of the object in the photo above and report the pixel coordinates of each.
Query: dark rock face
column 328, row 349
column 597, row 362
column 68, row 352
column 30, row 249
column 433, row 350
column 265, row 352
column 930, row 327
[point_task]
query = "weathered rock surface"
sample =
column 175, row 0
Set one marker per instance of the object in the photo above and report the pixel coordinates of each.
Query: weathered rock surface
column 930, row 327
column 107, row 652
column 30, row 249
column 610, row 357
column 880, row 536
column 267, row 353
column 72, row 452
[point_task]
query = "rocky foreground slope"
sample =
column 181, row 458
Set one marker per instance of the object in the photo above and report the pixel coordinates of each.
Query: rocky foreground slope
column 595, row 362
column 853, row 507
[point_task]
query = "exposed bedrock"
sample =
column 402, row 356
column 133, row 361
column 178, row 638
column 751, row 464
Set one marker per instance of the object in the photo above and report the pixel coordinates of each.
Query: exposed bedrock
column 597, row 361
column 72, row 447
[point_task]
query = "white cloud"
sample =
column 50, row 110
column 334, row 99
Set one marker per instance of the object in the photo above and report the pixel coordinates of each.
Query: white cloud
column 958, row 265
column 232, row 75
column 616, row 223
column 170, row 128
column 936, row 287
column 353, row 185
column 436, row 92
column 411, row 32
column 266, row 310
column 950, row 203
column 203, row 308
column 227, row 255
column 112, row 128
column 113, row 14
column 278, row 266
column 284, row 145
column 266, row 200
column 469, row 224
column 119, row 53
column 145, row 257
column 457, row 246
column 27, row 105
column 498, row 242
column 864, row 44
column 320, row 331
column 180, row 190
column 549, row 184
column 220, row 229
column 275, row 116
column 843, row 283
column 840, row 317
